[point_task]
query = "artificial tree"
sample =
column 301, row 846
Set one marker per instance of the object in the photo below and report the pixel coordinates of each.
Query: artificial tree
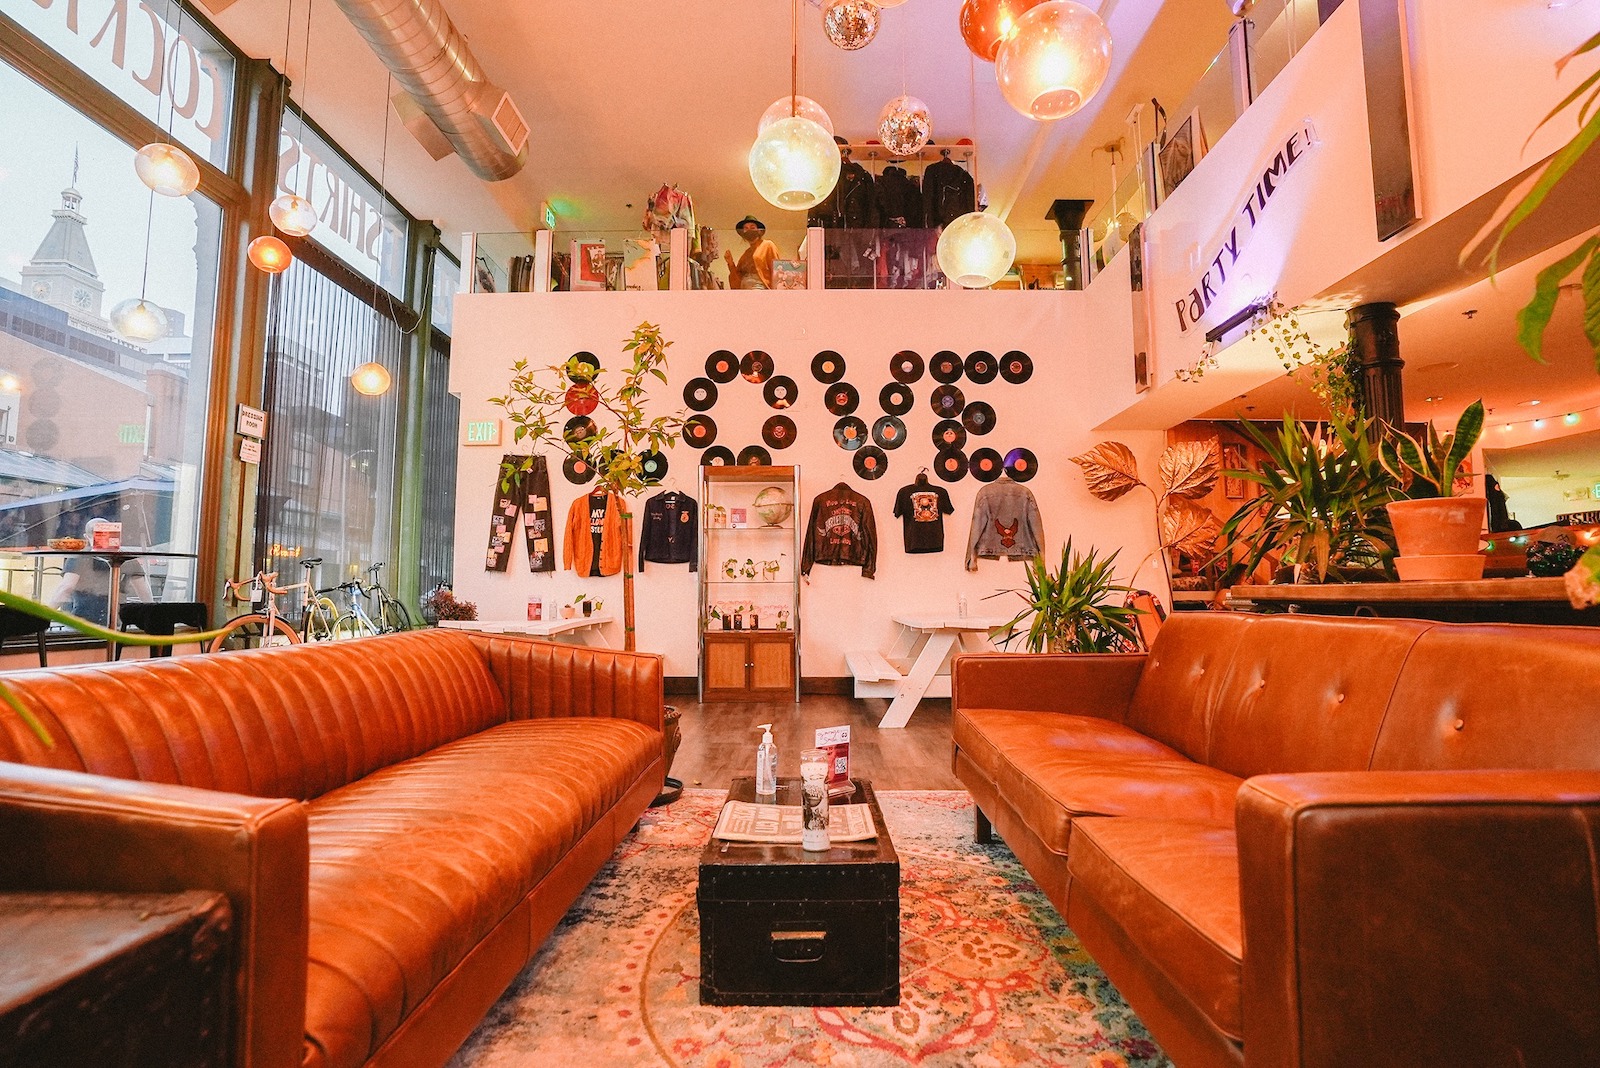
column 541, row 400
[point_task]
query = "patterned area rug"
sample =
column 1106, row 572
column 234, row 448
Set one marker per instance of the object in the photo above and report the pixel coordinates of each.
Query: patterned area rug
column 989, row 975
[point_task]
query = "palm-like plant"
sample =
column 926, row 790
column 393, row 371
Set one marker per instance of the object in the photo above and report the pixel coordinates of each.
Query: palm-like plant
column 1078, row 608
column 1322, row 505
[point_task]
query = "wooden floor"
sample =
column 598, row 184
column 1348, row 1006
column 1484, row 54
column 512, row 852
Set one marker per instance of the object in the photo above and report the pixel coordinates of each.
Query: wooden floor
column 720, row 739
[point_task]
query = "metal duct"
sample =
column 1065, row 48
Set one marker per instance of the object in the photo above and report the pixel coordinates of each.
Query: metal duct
column 430, row 59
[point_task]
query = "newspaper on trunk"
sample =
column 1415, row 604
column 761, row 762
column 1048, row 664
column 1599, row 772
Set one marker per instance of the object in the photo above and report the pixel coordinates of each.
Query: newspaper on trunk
column 744, row 821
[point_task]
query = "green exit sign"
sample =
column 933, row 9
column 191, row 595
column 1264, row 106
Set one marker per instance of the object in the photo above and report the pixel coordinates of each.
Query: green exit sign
column 483, row 432
column 131, row 433
column 549, row 217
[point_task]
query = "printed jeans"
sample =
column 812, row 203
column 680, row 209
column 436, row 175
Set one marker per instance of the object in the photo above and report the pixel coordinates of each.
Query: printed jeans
column 522, row 487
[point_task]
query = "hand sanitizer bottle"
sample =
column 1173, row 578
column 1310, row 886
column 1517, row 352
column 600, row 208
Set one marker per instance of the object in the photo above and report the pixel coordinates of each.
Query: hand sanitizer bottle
column 766, row 764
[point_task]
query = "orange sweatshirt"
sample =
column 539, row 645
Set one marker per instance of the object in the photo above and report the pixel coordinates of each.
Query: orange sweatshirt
column 577, row 549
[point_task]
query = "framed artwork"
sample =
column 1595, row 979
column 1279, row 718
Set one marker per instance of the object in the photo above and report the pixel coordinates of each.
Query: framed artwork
column 1180, row 152
column 1232, row 460
column 589, row 263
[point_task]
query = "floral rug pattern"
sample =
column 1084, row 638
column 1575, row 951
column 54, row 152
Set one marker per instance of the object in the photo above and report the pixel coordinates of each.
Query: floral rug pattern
column 989, row 975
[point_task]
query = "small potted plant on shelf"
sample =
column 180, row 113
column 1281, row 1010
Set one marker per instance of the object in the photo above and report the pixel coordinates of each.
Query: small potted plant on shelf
column 1435, row 530
column 1077, row 608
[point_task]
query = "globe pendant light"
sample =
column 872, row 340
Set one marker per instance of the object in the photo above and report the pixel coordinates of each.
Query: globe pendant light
column 905, row 125
column 270, row 254
column 166, row 169
column 293, row 214
column 790, row 106
column 139, row 320
column 976, row 250
column 888, row 3
column 1055, row 61
column 986, row 23
column 794, row 164
column 850, row 24
column 371, row 379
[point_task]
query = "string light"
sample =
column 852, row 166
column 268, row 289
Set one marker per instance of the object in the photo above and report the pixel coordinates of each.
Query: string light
column 1571, row 418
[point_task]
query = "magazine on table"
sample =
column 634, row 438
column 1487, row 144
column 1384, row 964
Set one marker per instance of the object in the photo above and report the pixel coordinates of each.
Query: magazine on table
column 745, row 821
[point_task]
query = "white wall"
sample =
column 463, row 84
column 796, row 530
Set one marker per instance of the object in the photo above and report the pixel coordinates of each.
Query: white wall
column 1081, row 358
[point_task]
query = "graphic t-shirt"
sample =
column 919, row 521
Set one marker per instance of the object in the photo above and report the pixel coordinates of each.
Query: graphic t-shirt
column 921, row 507
column 597, row 527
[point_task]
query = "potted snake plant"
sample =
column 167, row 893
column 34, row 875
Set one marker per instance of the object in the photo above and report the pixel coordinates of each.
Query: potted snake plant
column 1435, row 529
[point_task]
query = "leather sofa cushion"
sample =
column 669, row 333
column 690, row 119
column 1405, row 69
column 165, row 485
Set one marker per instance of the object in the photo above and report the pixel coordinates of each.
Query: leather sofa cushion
column 992, row 736
column 1188, row 662
column 1172, row 886
column 413, row 865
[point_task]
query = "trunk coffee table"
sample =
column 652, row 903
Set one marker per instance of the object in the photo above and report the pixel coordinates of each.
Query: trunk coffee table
column 780, row 926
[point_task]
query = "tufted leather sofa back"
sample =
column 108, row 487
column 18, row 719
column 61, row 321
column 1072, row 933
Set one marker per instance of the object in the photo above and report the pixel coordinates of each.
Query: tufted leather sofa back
column 294, row 722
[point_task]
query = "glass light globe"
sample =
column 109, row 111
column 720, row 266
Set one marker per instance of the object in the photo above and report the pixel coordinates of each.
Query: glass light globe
column 167, row 169
column 1055, row 62
column 794, row 164
column 976, row 250
column 803, row 106
column 139, row 320
column 985, row 23
column 270, row 254
column 850, row 24
column 904, row 125
column 371, row 379
column 293, row 214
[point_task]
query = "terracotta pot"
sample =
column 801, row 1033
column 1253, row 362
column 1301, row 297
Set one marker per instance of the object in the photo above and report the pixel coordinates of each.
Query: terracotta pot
column 1443, row 568
column 1438, row 526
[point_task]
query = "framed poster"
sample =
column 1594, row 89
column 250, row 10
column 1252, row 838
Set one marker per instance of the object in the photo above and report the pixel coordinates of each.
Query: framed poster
column 1232, row 460
column 1180, row 152
column 589, row 262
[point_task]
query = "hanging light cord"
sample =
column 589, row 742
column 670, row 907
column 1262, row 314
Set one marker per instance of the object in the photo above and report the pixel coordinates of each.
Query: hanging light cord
column 972, row 100
column 383, row 204
column 305, row 69
column 794, row 59
column 149, row 217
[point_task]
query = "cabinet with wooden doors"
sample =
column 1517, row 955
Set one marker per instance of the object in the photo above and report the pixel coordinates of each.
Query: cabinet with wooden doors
column 749, row 583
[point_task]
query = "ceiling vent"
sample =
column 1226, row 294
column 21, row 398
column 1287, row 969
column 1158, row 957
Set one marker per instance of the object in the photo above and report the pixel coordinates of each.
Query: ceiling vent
column 512, row 126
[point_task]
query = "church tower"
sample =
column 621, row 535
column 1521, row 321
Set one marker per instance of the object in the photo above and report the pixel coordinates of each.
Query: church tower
column 62, row 272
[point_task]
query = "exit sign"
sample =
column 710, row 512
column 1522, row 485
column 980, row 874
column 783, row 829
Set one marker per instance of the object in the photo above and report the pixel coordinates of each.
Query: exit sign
column 483, row 432
column 549, row 216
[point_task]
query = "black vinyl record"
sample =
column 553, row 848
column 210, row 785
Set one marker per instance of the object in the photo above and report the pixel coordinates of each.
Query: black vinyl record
column 945, row 366
column 986, row 465
column 950, row 465
column 850, row 433
column 827, row 366
column 889, row 432
column 841, row 398
column 780, row 392
column 978, row 417
column 1021, row 465
column 778, row 431
column 949, row 434
column 700, row 394
column 896, row 399
column 717, row 456
column 871, row 462
column 905, row 366
column 722, row 366
column 981, row 367
column 947, row 402
column 699, row 431
column 578, row 428
column 578, row 469
column 754, row 456
column 1015, row 367
column 652, row 467
column 583, row 366
column 756, row 366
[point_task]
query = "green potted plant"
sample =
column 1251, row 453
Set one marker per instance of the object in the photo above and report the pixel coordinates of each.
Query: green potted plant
column 1077, row 608
column 1435, row 529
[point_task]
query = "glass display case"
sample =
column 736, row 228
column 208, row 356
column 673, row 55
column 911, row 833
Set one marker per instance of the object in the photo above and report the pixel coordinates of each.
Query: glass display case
column 749, row 583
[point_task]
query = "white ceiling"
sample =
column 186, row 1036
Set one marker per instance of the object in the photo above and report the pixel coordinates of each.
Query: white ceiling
column 624, row 95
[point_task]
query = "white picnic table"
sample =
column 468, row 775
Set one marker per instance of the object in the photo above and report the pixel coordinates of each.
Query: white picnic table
column 579, row 630
column 918, row 664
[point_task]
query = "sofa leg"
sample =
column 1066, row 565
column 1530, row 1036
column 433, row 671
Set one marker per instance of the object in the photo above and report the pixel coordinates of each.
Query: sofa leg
column 983, row 832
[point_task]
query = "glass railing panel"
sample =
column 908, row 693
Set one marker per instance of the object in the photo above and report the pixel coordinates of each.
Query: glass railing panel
column 1279, row 29
column 608, row 261
column 1116, row 218
column 502, row 263
column 723, row 245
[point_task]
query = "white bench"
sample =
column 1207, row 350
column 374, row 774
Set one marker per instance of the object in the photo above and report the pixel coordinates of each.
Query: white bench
column 874, row 675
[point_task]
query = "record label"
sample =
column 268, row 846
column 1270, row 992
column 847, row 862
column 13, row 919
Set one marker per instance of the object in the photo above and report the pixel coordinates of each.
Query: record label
column 850, row 433
column 699, row 431
column 722, row 366
column 841, row 398
column 889, row 432
column 756, row 366
column 978, row 417
column 905, row 366
column 1021, row 465
column 827, row 366
column 780, row 392
column 754, row 456
column 981, row 367
column 949, row 434
column 986, row 465
column 700, row 394
column 947, row 402
column 945, row 366
column 778, row 431
column 717, row 456
column 896, row 399
column 871, row 462
column 1015, row 367
column 578, row 469
column 950, row 465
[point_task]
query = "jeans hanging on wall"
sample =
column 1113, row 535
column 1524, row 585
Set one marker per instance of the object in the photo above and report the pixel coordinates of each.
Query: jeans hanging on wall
column 522, row 489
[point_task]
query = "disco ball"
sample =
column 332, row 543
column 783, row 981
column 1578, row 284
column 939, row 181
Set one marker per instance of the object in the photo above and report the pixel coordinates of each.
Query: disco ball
column 905, row 125
column 850, row 24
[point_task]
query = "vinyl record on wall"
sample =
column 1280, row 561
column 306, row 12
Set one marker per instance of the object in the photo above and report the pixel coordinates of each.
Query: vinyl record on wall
column 950, row 465
column 699, row 431
column 778, row 431
column 871, row 462
column 583, row 398
column 780, row 392
column 978, row 417
column 754, row 456
column 889, row 432
column 1015, row 367
column 896, row 399
column 827, row 366
column 949, row 434
column 578, row 428
column 700, row 394
column 578, row 469
column 841, row 398
column 947, row 402
column 756, row 366
column 986, row 465
column 981, row 367
column 722, row 366
column 945, row 366
column 717, row 456
column 652, row 467
column 905, row 366
column 583, row 366
column 1021, row 465
column 850, row 433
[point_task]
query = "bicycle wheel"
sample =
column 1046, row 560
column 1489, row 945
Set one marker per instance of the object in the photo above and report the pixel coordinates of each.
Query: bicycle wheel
column 351, row 625
column 392, row 616
column 252, row 632
column 321, row 616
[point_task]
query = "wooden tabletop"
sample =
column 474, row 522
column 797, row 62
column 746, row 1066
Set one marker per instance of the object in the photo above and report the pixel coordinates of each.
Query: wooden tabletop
column 539, row 627
column 1542, row 590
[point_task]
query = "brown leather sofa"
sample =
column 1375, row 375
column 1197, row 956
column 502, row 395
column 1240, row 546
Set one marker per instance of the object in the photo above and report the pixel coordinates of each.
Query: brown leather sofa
column 399, row 822
column 1340, row 843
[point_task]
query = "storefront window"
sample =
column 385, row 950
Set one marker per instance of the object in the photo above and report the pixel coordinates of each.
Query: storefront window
column 446, row 284
column 96, row 426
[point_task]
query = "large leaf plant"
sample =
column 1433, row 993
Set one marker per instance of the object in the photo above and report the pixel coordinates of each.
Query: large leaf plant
column 1077, row 608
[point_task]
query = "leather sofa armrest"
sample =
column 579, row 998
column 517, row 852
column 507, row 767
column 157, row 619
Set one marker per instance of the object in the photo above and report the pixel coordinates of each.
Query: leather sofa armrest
column 65, row 830
column 1087, row 685
column 1431, row 917
column 544, row 679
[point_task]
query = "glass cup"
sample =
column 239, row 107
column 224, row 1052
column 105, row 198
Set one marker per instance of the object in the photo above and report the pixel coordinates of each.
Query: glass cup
column 814, row 800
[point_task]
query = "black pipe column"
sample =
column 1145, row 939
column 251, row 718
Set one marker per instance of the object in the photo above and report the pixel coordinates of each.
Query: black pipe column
column 1375, row 346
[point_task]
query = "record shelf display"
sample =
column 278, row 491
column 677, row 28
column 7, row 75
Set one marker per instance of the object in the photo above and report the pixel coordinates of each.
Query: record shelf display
column 750, row 545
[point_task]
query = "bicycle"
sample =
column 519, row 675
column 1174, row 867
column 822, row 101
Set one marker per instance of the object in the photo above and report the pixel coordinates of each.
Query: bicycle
column 319, row 615
column 255, row 630
column 392, row 615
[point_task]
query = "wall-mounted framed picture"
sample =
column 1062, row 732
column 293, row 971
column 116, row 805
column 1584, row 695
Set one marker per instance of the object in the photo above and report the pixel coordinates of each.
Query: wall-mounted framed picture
column 1233, row 460
column 1180, row 152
